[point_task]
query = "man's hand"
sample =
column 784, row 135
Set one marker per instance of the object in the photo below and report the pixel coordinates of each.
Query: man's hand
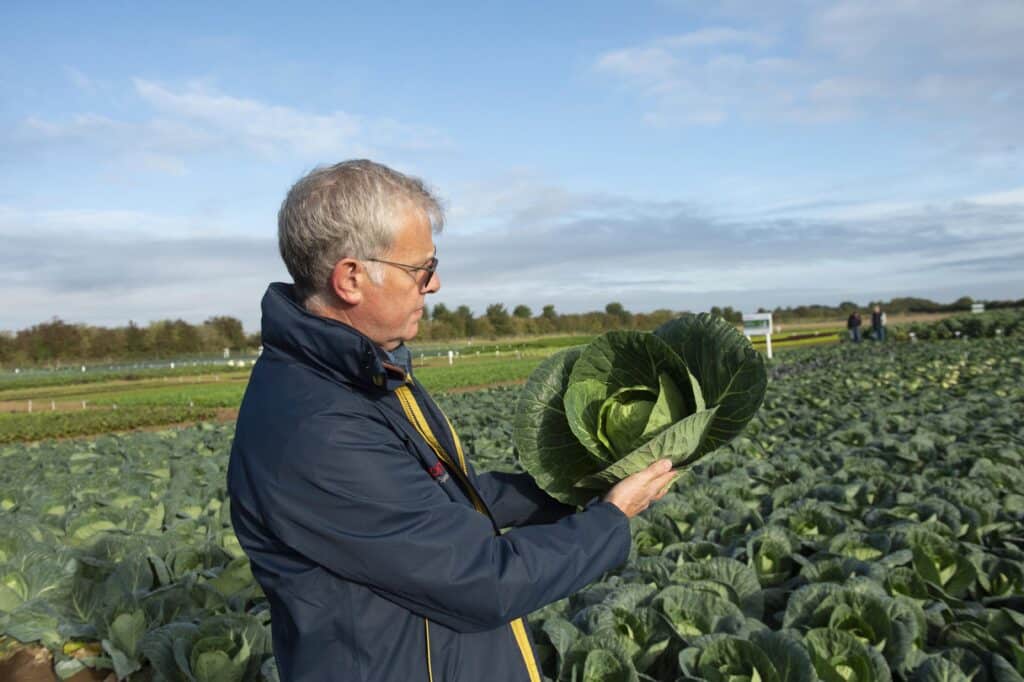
column 635, row 493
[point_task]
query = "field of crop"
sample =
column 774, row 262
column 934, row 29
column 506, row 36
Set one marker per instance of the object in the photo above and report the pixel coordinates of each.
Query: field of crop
column 867, row 526
column 66, row 405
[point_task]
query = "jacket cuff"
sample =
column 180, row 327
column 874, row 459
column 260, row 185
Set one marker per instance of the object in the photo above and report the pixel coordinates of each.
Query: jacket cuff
column 614, row 518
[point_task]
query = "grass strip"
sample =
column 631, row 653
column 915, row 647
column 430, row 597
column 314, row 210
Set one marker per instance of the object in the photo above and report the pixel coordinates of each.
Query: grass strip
column 41, row 425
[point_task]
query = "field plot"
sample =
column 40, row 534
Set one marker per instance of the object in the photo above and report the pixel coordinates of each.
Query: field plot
column 868, row 525
column 57, row 407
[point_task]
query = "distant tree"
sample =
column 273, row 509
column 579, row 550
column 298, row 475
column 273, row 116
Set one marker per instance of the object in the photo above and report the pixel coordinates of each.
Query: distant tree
column 105, row 343
column 442, row 331
column 51, row 341
column 229, row 330
column 161, row 338
column 617, row 316
column 499, row 318
column 657, row 318
column 134, row 339
column 732, row 315
column 441, row 312
column 186, row 337
column 482, row 327
column 7, row 347
column 615, row 309
column 522, row 311
column 462, row 320
column 548, row 313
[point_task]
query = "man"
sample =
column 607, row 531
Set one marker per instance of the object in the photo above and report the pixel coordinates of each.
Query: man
column 378, row 546
column 878, row 324
column 853, row 325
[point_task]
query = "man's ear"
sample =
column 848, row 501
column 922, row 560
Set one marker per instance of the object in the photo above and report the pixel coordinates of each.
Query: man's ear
column 348, row 280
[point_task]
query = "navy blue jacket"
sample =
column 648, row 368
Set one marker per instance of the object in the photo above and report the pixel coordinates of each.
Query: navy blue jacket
column 374, row 560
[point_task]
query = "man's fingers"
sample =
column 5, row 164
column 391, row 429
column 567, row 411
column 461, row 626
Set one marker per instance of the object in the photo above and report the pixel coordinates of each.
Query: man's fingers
column 659, row 468
column 662, row 484
column 663, row 480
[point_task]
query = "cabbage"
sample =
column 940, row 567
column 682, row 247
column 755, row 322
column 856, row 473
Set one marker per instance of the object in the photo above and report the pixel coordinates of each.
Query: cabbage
column 593, row 415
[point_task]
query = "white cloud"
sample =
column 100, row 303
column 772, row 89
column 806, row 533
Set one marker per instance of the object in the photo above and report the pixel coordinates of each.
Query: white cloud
column 264, row 128
column 646, row 63
column 581, row 250
column 951, row 31
column 78, row 126
column 523, row 240
column 718, row 35
column 197, row 119
column 275, row 130
column 843, row 88
column 946, row 58
column 1010, row 197
column 107, row 267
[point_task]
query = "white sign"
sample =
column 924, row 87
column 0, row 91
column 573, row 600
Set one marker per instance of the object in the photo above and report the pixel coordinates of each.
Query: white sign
column 759, row 324
column 977, row 307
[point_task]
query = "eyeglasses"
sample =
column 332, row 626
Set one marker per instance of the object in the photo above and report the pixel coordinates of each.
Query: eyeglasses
column 429, row 268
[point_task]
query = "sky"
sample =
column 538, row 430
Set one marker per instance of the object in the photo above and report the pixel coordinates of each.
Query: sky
column 664, row 154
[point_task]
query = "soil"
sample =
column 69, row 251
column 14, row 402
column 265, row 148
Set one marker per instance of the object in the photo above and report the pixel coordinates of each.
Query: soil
column 35, row 664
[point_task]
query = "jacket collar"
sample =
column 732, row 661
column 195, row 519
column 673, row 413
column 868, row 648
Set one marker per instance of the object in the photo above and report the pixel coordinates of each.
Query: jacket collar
column 325, row 344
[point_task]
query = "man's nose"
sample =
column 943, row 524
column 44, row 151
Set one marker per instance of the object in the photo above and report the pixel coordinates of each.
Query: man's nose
column 434, row 284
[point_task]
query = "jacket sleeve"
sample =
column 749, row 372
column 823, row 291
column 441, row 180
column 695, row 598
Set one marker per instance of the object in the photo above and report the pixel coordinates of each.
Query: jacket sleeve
column 351, row 497
column 517, row 500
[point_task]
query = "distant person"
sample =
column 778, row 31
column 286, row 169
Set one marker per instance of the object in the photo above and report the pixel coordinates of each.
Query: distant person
column 878, row 324
column 853, row 326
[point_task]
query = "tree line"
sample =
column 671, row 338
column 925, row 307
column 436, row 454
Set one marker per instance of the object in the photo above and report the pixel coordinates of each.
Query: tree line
column 896, row 306
column 57, row 342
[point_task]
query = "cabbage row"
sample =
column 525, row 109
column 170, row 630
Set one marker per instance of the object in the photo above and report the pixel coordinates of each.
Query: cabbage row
column 1008, row 322
column 867, row 525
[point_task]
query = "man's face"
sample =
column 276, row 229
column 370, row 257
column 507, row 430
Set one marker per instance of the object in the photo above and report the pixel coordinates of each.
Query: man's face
column 393, row 308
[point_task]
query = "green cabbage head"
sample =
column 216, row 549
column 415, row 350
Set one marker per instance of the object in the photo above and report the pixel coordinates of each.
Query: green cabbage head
column 592, row 415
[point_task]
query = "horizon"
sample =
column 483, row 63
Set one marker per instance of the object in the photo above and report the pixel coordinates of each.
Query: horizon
column 661, row 155
column 536, row 312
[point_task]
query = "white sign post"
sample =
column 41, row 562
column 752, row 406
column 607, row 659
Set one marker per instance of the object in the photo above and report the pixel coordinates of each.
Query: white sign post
column 759, row 324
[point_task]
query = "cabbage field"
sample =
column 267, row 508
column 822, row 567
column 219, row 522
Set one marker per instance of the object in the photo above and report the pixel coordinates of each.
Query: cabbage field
column 867, row 525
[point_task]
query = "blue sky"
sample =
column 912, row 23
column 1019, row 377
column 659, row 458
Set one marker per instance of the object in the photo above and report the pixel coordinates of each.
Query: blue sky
column 662, row 154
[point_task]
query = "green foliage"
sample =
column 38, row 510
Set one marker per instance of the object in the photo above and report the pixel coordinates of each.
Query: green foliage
column 591, row 416
column 866, row 525
column 39, row 425
column 984, row 325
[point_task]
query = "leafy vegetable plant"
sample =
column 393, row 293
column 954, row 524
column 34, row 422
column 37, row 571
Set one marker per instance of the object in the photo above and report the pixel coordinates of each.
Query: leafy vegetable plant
column 591, row 416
